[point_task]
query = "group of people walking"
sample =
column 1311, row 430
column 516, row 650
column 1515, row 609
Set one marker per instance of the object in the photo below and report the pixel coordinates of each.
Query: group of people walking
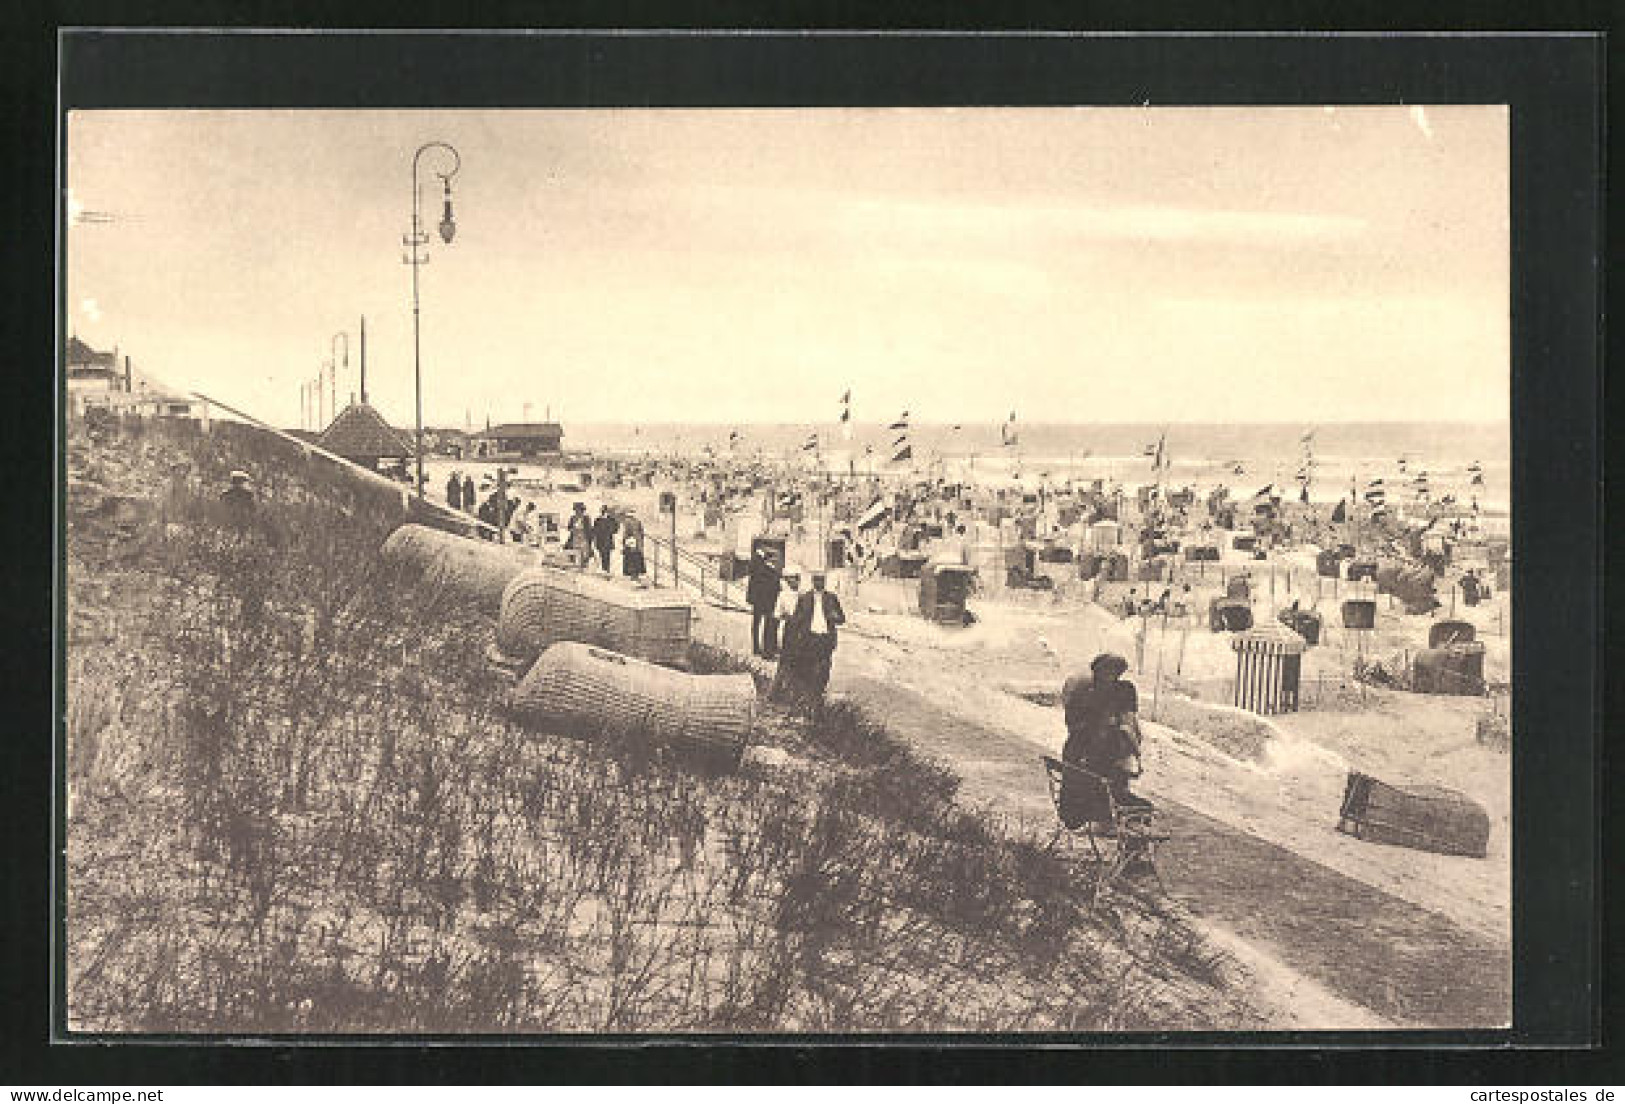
column 587, row 536
column 798, row 628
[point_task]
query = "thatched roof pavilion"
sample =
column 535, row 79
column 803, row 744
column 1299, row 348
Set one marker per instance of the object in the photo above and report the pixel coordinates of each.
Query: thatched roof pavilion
column 360, row 434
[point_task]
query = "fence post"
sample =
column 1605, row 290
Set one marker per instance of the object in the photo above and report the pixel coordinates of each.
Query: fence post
column 676, row 575
column 502, row 505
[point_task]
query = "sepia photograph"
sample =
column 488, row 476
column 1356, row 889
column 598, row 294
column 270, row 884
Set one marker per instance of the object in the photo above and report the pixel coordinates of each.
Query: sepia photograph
column 819, row 570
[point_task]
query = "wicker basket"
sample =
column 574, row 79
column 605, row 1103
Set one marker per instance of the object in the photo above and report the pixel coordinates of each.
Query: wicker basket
column 476, row 569
column 1450, row 669
column 1441, row 633
column 543, row 606
column 1306, row 623
column 1229, row 615
column 1359, row 613
column 1427, row 818
column 586, row 691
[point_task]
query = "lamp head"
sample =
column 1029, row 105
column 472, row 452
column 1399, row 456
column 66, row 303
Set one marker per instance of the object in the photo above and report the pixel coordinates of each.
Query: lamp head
column 448, row 225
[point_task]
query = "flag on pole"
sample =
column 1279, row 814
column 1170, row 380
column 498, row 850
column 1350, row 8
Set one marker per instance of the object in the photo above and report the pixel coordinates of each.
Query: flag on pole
column 873, row 515
column 1007, row 431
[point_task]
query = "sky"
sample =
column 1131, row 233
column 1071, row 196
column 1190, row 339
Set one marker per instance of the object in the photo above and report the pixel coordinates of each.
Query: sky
column 1313, row 264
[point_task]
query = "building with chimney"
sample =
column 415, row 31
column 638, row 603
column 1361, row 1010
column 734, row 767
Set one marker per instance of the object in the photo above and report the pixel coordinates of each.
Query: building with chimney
column 104, row 381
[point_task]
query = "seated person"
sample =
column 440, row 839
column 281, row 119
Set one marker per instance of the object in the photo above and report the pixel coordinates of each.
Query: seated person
column 1103, row 736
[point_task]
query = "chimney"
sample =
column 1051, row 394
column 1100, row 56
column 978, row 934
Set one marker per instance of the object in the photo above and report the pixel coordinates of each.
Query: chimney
column 363, row 358
column 128, row 382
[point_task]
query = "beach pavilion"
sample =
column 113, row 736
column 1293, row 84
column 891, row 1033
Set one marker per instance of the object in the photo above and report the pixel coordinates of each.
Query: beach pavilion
column 361, row 435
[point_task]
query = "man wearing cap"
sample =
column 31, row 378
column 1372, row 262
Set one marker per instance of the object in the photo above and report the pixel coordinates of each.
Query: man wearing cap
column 778, row 628
column 604, row 527
column 812, row 640
column 237, row 501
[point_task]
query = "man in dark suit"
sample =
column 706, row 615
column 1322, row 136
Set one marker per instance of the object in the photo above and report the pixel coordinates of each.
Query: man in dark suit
column 603, row 535
column 810, row 639
column 762, row 594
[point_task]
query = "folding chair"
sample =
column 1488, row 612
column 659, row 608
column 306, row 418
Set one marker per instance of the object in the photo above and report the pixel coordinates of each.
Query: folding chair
column 1117, row 835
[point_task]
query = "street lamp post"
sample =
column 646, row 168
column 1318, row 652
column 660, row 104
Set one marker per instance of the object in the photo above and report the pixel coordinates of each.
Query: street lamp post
column 415, row 241
column 333, row 379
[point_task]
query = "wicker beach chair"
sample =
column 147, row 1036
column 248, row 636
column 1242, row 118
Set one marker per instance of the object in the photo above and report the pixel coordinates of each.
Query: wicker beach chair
column 1117, row 836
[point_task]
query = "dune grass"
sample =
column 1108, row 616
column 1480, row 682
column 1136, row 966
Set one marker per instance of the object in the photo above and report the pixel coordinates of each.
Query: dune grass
column 299, row 806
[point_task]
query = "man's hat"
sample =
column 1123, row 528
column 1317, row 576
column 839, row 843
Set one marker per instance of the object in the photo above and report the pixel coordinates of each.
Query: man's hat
column 792, row 571
column 239, row 476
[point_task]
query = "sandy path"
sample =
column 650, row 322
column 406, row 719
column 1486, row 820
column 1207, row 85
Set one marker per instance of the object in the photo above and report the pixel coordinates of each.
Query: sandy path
column 1333, row 949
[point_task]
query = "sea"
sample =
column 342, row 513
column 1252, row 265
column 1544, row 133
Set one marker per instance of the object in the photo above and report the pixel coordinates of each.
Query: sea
column 1341, row 458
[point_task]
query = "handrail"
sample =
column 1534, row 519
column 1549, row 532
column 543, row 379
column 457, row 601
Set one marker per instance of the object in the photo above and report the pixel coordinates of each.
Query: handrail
column 723, row 589
column 308, row 447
